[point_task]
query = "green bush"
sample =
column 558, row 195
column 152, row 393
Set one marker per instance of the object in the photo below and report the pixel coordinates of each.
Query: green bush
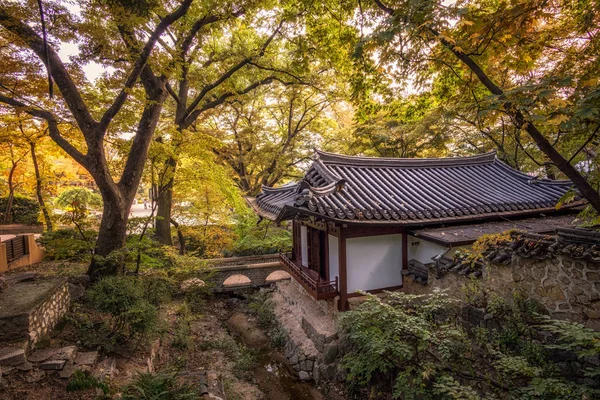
column 261, row 239
column 262, row 307
column 68, row 244
column 83, row 381
column 24, row 211
column 159, row 386
column 415, row 348
column 123, row 301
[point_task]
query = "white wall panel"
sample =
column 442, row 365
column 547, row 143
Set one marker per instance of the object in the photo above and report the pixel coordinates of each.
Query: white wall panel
column 304, row 245
column 422, row 250
column 334, row 261
column 374, row 262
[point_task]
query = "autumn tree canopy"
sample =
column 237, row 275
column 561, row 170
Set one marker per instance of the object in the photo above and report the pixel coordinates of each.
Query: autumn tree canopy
column 206, row 101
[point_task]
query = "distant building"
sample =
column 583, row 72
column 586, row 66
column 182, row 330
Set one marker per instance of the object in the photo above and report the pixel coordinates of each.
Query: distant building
column 358, row 221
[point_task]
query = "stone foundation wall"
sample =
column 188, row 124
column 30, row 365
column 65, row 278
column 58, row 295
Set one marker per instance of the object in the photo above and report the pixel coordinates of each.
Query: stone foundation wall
column 566, row 287
column 45, row 316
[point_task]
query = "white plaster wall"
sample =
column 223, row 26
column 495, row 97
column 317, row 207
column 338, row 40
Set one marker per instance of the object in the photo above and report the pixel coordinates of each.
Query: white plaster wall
column 374, row 262
column 423, row 251
column 304, row 245
column 334, row 261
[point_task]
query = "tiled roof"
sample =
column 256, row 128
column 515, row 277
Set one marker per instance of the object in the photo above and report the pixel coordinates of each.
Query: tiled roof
column 400, row 190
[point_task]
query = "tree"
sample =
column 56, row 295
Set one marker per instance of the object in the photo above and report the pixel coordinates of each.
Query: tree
column 205, row 78
column 526, row 47
column 269, row 135
column 415, row 127
column 130, row 21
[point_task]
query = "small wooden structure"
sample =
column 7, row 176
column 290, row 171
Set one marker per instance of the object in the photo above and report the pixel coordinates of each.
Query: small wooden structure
column 358, row 221
column 19, row 251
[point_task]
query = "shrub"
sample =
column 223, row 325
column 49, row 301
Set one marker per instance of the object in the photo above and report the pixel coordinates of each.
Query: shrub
column 23, row 211
column 158, row 386
column 244, row 358
column 261, row 239
column 182, row 338
column 124, row 303
column 83, row 380
column 413, row 347
column 68, row 244
column 262, row 307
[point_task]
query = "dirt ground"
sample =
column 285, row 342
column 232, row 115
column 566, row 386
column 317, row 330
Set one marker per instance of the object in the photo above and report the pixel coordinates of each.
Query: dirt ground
column 217, row 334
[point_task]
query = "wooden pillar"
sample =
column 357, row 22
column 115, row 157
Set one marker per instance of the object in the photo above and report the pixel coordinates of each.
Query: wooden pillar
column 404, row 251
column 343, row 281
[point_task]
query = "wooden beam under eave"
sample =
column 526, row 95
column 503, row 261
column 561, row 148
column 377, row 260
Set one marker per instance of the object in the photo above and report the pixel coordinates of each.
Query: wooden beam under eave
column 343, row 282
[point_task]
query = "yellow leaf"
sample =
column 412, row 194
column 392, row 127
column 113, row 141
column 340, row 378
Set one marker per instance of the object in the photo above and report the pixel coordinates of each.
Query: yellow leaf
column 467, row 22
column 590, row 82
column 558, row 120
column 559, row 103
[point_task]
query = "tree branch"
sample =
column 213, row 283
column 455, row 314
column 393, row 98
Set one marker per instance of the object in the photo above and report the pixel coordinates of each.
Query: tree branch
column 228, row 74
column 141, row 62
column 61, row 77
column 52, row 126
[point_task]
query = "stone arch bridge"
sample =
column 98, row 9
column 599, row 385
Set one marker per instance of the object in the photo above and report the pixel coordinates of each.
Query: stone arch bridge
column 246, row 272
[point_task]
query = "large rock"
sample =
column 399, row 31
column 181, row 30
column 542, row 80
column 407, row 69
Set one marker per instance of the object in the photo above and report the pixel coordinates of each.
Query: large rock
column 251, row 335
column 65, row 353
column 304, row 376
column 41, row 355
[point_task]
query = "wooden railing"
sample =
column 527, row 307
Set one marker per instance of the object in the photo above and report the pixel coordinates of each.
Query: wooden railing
column 16, row 248
column 317, row 288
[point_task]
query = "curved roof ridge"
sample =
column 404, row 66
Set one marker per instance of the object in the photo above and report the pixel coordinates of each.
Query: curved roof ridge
column 286, row 187
column 327, row 174
column 340, row 159
column 523, row 175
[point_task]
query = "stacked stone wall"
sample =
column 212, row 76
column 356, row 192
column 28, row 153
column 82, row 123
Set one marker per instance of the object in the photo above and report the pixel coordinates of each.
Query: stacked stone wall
column 568, row 288
column 45, row 316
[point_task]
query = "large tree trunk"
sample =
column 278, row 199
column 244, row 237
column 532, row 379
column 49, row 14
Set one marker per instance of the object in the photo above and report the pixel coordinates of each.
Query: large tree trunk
column 38, row 188
column 111, row 237
column 165, row 205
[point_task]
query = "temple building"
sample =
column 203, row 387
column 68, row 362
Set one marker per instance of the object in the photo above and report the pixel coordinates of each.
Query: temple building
column 359, row 221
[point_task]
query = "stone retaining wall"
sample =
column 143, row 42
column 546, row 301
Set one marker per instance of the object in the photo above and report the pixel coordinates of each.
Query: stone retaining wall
column 30, row 309
column 568, row 288
column 44, row 317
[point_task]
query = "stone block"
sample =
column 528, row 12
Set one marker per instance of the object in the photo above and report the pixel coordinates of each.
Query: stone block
column 65, row 353
column 86, row 358
column 330, row 352
column 67, row 371
column 11, row 356
column 304, row 376
column 26, row 366
column 53, row 365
